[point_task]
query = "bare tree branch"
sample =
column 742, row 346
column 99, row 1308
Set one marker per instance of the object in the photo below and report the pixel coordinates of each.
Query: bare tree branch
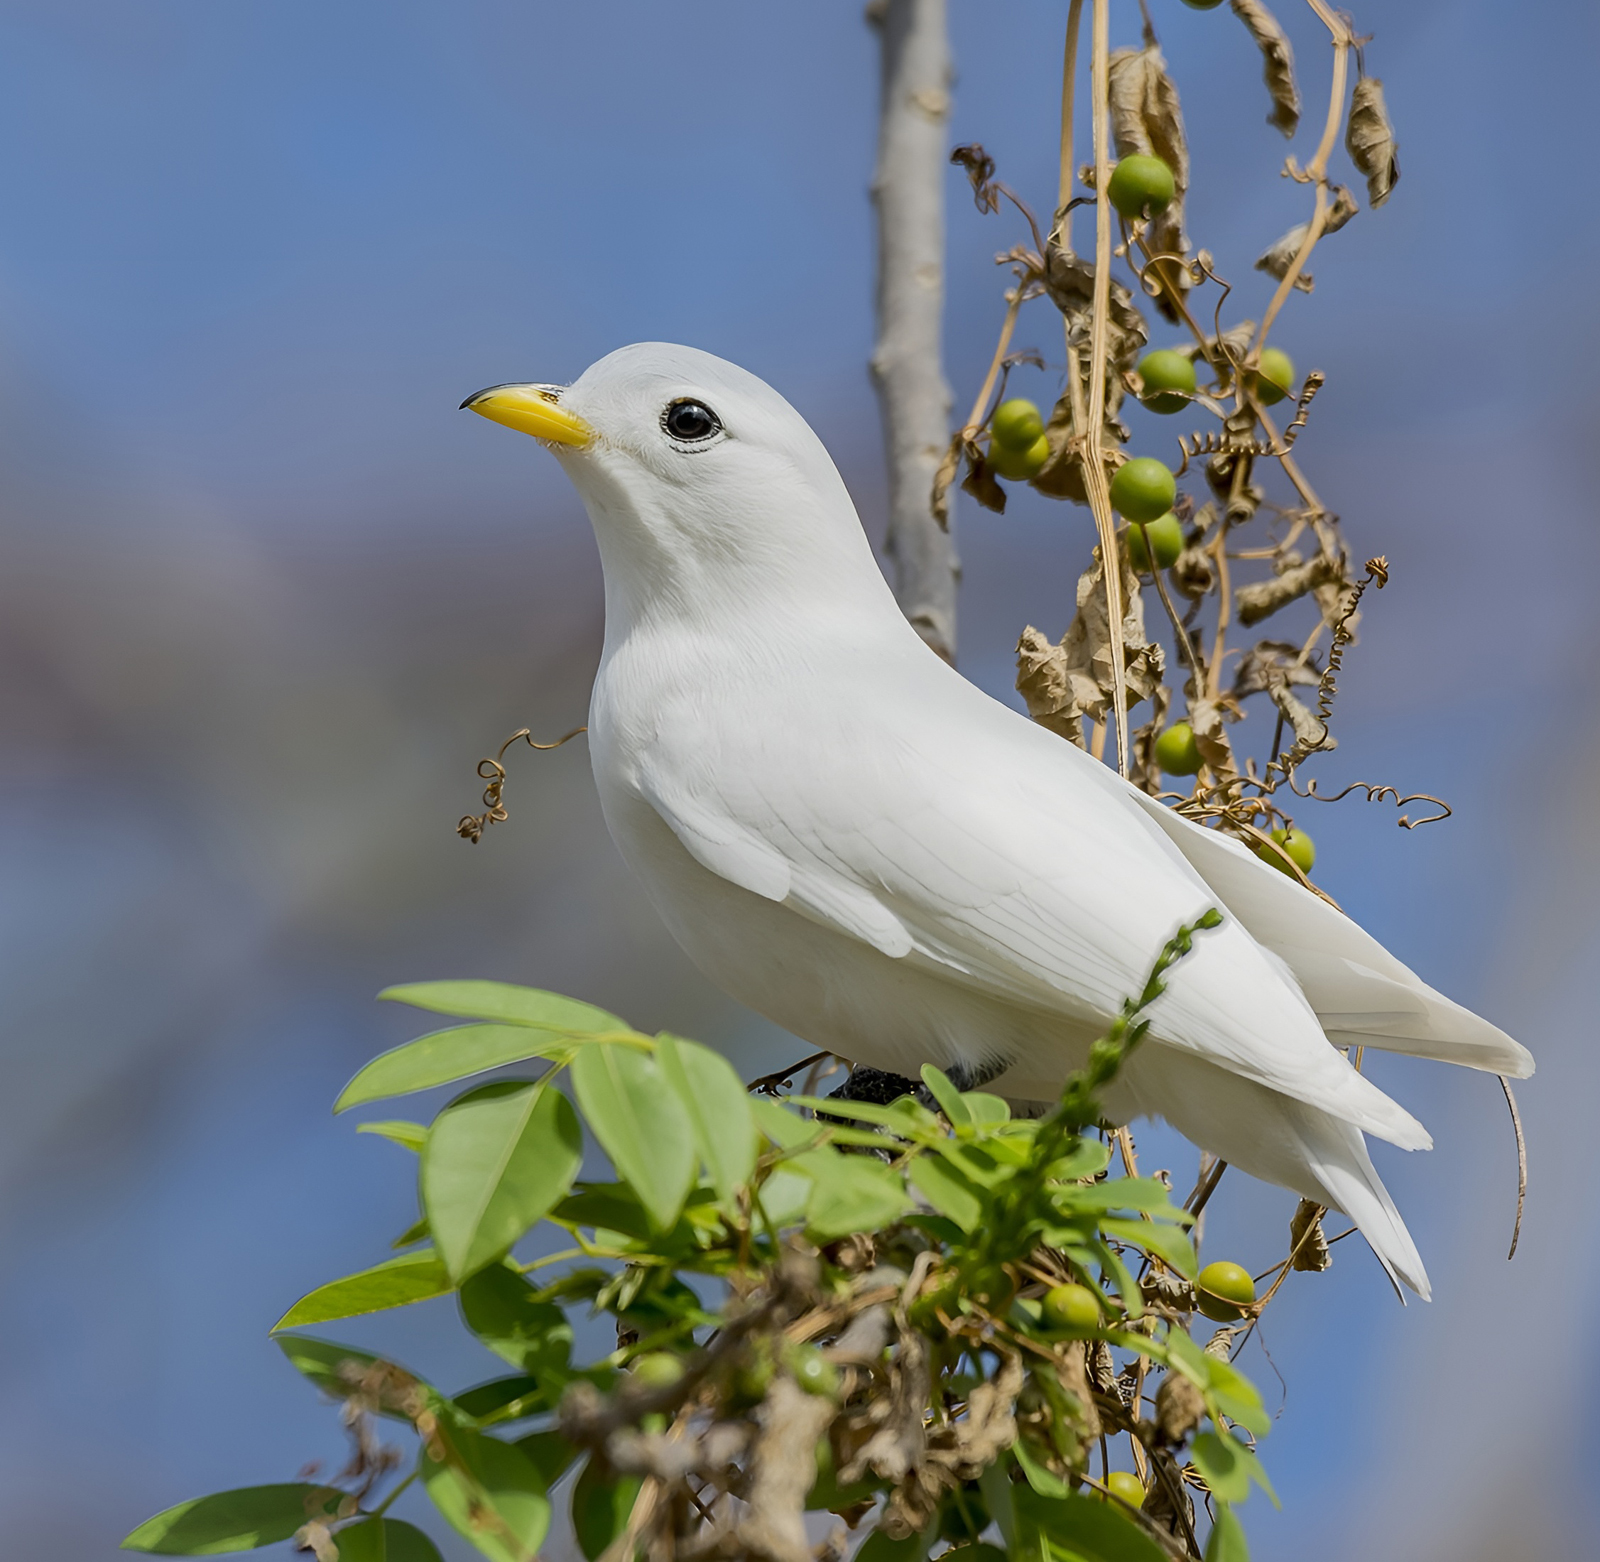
column 908, row 192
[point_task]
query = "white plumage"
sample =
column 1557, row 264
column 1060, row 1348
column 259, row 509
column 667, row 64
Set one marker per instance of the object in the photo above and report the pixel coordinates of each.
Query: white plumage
column 853, row 840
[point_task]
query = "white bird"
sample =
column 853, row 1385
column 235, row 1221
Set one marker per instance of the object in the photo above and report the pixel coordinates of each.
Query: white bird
column 846, row 835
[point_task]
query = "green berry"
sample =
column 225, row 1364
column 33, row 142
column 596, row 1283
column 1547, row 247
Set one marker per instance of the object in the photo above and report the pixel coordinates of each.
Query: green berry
column 753, row 1377
column 1274, row 376
column 656, row 1369
column 1018, row 465
column 814, row 1372
column 1177, row 752
column 1126, row 1487
column 1141, row 186
column 1016, row 423
column 1224, row 1290
column 1202, row 5
column 1072, row 1308
column 1166, row 537
column 1143, row 489
column 1297, row 846
column 1166, row 370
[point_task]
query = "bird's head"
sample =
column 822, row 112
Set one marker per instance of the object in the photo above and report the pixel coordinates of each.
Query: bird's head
column 705, row 487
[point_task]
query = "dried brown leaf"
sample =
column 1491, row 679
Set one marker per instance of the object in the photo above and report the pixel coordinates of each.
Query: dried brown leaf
column 942, row 479
column 1277, row 62
column 1069, row 280
column 1262, row 598
column 1280, row 257
column 1369, row 139
column 1206, row 718
column 1311, row 1252
column 1265, row 656
column 1311, row 733
column 981, row 482
column 1147, row 118
column 1063, row 683
column 897, row 1440
column 1144, row 771
column 980, row 169
column 1180, row 1407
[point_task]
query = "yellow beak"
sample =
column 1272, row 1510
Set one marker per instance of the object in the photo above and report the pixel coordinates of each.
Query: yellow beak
column 535, row 409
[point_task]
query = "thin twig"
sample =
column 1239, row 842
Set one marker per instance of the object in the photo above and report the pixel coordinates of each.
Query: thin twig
column 1094, row 469
column 1522, row 1163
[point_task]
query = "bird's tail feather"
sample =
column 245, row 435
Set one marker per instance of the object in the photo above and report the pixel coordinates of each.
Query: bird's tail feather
column 1273, row 1137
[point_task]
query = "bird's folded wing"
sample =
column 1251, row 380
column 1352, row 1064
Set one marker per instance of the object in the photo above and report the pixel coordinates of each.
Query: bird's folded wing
column 1360, row 993
column 1033, row 883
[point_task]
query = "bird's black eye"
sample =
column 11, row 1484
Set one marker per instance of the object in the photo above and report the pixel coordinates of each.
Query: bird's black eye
column 690, row 421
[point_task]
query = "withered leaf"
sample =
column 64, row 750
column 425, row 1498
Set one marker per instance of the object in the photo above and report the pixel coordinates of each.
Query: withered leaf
column 1311, row 733
column 981, row 482
column 1180, row 1407
column 1063, row 683
column 980, row 173
column 1311, row 1253
column 1277, row 62
column 1262, row 658
column 1062, row 475
column 1369, row 139
column 1069, row 280
column 942, row 479
column 1280, row 257
column 1144, row 770
column 1262, row 598
column 1146, row 118
column 1205, row 719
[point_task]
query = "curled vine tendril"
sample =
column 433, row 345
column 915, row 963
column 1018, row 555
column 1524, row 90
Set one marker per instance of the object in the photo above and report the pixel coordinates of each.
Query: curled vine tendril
column 493, row 771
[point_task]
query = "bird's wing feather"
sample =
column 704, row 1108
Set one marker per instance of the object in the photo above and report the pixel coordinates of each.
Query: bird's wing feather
column 1360, row 993
column 1001, row 863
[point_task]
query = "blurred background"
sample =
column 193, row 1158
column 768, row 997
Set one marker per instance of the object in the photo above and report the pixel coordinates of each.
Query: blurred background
column 266, row 597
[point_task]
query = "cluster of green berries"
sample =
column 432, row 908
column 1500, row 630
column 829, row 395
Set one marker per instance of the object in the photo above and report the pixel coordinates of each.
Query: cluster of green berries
column 1018, row 448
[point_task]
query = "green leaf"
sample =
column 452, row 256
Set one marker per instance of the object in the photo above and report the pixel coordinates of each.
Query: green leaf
column 490, row 1491
column 551, row 1454
column 948, row 1190
column 1167, row 1242
column 417, row 1231
column 1229, row 1467
column 1087, row 1158
column 496, row 1160
column 504, row 1399
column 641, row 1125
column 987, row 1111
column 237, row 1520
column 409, row 1136
column 602, row 1503
column 849, row 1193
column 1079, row 1529
column 1237, row 1397
column 504, row 1001
column 906, row 1117
column 413, row 1277
column 879, row 1548
column 1142, row 1193
column 785, row 1127
column 719, row 1111
column 1226, row 1543
column 1037, row 1474
column 1122, row 1277
column 385, row 1540
column 445, row 1055
column 331, row 1367
column 948, row 1097
column 505, row 1312
column 783, row 1198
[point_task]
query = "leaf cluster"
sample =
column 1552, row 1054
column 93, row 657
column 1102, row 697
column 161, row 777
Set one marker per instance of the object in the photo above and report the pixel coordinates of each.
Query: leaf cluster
column 818, row 1304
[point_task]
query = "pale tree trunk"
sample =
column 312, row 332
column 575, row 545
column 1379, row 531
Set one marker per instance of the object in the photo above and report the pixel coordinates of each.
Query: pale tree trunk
column 908, row 192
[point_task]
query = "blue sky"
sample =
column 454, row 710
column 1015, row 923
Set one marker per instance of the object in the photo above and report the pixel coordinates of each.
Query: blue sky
column 265, row 596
